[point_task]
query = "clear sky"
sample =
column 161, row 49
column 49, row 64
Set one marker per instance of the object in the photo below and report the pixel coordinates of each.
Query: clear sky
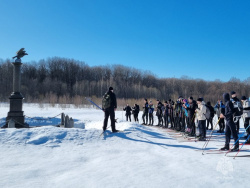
column 208, row 39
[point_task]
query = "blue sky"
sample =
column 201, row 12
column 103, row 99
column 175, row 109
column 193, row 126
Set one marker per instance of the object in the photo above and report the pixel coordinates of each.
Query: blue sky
column 207, row 39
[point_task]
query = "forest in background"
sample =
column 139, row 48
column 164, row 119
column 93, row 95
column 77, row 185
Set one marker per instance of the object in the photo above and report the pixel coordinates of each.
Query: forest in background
column 68, row 81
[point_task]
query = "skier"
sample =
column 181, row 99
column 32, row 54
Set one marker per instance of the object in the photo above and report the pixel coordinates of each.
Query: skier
column 191, row 107
column 159, row 112
column 135, row 112
column 220, row 108
column 166, row 114
column 128, row 109
column 246, row 115
column 178, row 114
column 230, row 125
column 171, row 112
column 145, row 112
column 151, row 113
column 238, row 110
column 211, row 115
column 184, row 115
column 201, row 110
column 109, row 106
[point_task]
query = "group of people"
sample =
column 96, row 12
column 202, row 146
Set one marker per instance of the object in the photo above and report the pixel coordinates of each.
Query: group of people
column 184, row 114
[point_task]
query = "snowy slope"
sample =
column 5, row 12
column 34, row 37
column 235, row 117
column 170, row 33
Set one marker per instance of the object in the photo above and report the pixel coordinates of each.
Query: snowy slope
column 138, row 157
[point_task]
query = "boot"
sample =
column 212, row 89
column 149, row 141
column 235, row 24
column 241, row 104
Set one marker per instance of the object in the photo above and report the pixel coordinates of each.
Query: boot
column 248, row 141
column 202, row 139
column 236, row 147
column 226, row 147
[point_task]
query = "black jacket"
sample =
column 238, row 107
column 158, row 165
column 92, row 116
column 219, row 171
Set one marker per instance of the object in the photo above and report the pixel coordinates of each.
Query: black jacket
column 229, row 107
column 128, row 110
column 135, row 109
column 113, row 102
column 211, row 109
column 159, row 109
column 191, row 109
column 145, row 108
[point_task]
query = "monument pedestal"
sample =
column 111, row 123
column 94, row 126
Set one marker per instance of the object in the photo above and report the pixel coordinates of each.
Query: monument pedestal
column 16, row 113
column 16, row 98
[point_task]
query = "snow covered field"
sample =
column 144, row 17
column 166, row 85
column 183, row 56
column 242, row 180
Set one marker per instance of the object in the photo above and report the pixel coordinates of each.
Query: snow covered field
column 141, row 156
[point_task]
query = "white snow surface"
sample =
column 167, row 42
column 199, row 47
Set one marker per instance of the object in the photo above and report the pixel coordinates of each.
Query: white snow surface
column 141, row 156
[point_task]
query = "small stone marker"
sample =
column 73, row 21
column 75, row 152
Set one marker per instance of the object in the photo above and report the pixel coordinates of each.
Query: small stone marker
column 71, row 123
column 11, row 124
column 66, row 121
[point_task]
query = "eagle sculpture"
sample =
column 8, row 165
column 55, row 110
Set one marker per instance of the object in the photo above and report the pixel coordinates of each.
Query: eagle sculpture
column 20, row 53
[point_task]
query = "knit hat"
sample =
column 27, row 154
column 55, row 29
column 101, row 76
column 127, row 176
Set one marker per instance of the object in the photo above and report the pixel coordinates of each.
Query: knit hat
column 233, row 92
column 200, row 99
column 243, row 98
column 111, row 88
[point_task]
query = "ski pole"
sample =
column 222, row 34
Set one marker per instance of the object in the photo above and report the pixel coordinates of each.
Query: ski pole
column 206, row 143
column 237, row 140
column 93, row 103
column 242, row 146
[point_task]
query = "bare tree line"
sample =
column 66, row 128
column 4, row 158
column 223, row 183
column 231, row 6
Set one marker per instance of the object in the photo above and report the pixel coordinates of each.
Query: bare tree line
column 61, row 80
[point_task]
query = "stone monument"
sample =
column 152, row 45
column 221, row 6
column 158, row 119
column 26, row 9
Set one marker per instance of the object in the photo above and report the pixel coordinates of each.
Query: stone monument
column 16, row 98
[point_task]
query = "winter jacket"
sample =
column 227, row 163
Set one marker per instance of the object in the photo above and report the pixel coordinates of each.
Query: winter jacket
column 191, row 107
column 178, row 109
column 211, row 109
column 151, row 109
column 128, row 110
column 201, row 111
column 229, row 107
column 113, row 102
column 219, row 108
column 135, row 109
column 165, row 110
column 237, row 106
column 246, row 108
column 145, row 108
column 159, row 109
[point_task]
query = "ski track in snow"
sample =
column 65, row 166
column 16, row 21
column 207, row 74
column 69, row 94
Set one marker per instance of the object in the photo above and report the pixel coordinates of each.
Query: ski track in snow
column 140, row 156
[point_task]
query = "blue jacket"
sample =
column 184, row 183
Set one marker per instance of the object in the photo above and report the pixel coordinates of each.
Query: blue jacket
column 151, row 109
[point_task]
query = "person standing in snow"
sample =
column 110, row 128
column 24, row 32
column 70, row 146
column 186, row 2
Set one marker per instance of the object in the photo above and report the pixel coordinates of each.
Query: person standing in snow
column 159, row 113
column 135, row 112
column 109, row 106
column 178, row 114
column 230, row 125
column 151, row 113
column 238, row 110
column 246, row 115
column 220, row 108
column 145, row 112
column 191, row 107
column 128, row 109
column 165, row 114
column 211, row 115
column 171, row 112
column 201, row 110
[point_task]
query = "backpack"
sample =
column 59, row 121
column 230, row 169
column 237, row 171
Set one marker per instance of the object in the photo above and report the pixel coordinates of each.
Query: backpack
column 238, row 108
column 106, row 101
column 208, row 112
